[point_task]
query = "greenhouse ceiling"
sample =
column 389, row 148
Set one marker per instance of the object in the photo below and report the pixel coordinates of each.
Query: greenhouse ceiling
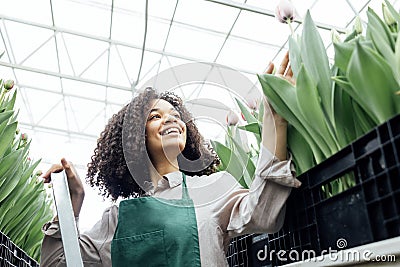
column 77, row 62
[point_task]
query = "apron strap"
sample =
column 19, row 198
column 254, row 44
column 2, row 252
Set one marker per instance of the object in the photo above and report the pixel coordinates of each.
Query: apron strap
column 185, row 192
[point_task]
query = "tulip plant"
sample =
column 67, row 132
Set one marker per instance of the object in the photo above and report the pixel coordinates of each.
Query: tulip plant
column 24, row 204
column 331, row 105
column 237, row 157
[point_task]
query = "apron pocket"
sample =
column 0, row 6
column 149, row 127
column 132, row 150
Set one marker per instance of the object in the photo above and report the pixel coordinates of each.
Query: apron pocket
column 140, row 250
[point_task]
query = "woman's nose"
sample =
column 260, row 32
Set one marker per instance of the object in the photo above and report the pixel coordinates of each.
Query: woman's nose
column 170, row 118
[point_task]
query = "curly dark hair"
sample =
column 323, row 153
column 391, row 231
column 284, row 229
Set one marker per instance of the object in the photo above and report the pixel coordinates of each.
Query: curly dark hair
column 120, row 159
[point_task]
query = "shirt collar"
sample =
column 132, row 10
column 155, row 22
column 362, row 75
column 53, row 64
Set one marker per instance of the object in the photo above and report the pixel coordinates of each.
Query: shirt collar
column 169, row 180
column 174, row 178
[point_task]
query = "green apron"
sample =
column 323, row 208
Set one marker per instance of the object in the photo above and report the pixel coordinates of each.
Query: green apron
column 156, row 232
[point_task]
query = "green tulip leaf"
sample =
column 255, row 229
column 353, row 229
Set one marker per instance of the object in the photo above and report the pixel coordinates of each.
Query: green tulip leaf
column 316, row 62
column 310, row 106
column 7, row 136
column 230, row 161
column 246, row 161
column 294, row 56
column 365, row 123
column 282, row 97
column 343, row 53
column 393, row 11
column 19, row 189
column 10, row 103
column 351, row 36
column 8, row 164
column 373, row 82
column 299, row 146
column 343, row 114
column 4, row 116
column 380, row 34
column 397, row 60
column 246, row 112
column 252, row 127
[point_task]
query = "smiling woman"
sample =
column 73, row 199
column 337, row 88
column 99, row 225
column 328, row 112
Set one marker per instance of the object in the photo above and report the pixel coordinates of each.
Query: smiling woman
column 165, row 136
column 178, row 210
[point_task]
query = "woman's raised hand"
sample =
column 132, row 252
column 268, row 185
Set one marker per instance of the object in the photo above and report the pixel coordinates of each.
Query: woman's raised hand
column 75, row 185
column 274, row 132
column 284, row 71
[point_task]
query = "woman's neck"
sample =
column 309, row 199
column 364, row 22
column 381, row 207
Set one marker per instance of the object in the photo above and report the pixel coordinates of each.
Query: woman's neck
column 162, row 167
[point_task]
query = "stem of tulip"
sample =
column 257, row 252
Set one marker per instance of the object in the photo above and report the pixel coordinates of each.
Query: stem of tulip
column 3, row 93
column 289, row 22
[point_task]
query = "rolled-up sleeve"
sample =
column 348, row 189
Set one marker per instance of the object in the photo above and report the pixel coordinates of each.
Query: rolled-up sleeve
column 95, row 244
column 260, row 209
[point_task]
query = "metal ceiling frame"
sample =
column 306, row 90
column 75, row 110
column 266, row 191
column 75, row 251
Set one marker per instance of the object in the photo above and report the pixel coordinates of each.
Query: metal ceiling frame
column 58, row 33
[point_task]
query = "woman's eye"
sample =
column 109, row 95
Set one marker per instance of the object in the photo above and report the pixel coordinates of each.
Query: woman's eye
column 155, row 116
column 177, row 116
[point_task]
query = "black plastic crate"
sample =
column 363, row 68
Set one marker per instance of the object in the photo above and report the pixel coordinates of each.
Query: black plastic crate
column 13, row 256
column 238, row 251
column 367, row 212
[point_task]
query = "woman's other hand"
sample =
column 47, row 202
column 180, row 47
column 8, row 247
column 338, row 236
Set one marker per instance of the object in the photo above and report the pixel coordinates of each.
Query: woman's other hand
column 75, row 185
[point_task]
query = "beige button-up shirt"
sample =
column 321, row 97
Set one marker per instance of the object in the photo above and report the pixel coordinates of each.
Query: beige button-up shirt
column 223, row 208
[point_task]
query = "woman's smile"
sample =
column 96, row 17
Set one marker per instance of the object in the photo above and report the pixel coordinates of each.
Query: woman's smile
column 172, row 130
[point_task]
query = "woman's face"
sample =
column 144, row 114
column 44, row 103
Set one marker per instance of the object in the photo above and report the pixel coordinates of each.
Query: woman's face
column 165, row 131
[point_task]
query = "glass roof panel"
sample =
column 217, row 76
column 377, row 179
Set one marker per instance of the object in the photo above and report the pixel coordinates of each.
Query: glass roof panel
column 111, row 110
column 217, row 18
column 128, row 26
column 91, row 17
column 36, row 80
column 162, row 9
column 254, row 59
column 188, row 42
column 129, row 6
column 157, row 32
column 357, row 5
column 24, row 9
column 75, row 45
column 39, row 103
column 87, row 114
column 22, row 45
column 44, row 58
column 97, row 70
column 117, row 72
column 117, row 96
column 328, row 12
column 149, row 66
column 261, row 28
column 52, row 117
column 83, row 89
column 7, row 73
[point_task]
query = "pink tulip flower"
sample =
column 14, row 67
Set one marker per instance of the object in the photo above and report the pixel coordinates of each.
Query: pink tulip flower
column 285, row 11
column 9, row 84
column 252, row 103
column 232, row 118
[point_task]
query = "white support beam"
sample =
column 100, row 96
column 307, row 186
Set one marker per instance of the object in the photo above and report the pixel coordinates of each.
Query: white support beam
column 270, row 13
column 106, row 102
column 65, row 76
column 47, row 129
